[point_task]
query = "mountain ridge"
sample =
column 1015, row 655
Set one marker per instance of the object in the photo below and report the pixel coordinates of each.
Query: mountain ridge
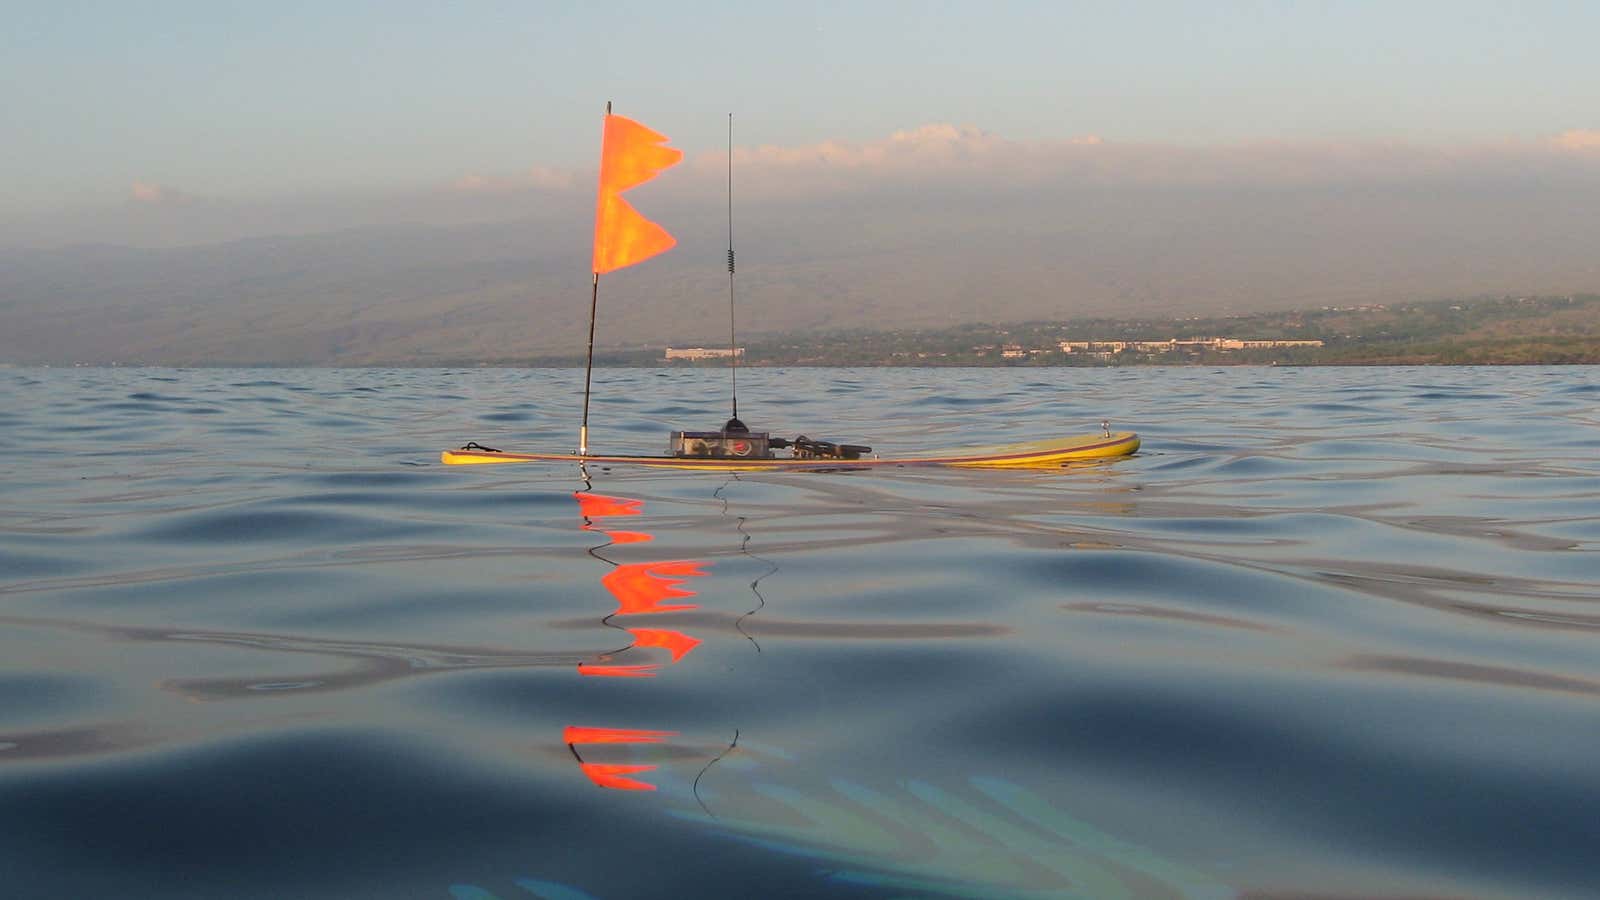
column 519, row 288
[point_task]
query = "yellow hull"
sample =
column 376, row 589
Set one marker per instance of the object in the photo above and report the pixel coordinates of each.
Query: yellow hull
column 1046, row 454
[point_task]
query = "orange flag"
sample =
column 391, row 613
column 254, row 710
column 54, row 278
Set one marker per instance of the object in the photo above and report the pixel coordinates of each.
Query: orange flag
column 630, row 155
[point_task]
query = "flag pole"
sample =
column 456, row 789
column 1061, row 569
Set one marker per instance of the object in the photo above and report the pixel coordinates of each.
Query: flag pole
column 588, row 364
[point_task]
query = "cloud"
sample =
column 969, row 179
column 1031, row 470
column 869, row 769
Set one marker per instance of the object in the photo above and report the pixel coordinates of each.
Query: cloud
column 935, row 167
column 932, row 148
column 157, row 194
column 947, row 156
column 1582, row 139
column 473, row 183
column 944, row 156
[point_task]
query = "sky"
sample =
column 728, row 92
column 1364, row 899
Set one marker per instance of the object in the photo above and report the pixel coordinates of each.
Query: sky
column 106, row 104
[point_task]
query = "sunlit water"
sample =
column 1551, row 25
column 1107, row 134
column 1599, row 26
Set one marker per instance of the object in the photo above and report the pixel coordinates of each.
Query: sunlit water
column 1331, row 633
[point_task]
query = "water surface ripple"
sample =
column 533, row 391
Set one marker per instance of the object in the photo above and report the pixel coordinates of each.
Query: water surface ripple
column 1333, row 633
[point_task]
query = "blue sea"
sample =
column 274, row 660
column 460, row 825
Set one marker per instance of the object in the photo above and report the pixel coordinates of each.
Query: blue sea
column 1331, row 633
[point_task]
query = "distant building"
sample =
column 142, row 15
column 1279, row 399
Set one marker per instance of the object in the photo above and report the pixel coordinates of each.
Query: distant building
column 692, row 353
column 1233, row 344
column 1167, row 346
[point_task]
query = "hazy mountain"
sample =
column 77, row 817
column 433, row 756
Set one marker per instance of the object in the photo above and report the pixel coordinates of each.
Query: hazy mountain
column 867, row 247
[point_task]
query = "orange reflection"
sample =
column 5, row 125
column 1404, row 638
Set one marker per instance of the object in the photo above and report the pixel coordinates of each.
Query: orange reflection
column 613, row 775
column 597, row 506
column 580, row 734
column 675, row 642
column 642, row 588
column 610, row 775
column 644, row 670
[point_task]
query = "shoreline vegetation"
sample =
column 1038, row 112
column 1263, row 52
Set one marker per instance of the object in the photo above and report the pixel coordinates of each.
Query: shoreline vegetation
column 1521, row 330
column 1495, row 331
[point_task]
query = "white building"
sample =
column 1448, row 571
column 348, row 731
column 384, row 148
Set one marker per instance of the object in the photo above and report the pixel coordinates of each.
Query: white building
column 705, row 353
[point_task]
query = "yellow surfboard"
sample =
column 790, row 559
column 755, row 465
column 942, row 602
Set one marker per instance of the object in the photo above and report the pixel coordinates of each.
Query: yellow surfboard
column 1045, row 454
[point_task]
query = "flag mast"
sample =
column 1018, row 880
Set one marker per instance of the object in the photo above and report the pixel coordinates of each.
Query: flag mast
column 588, row 363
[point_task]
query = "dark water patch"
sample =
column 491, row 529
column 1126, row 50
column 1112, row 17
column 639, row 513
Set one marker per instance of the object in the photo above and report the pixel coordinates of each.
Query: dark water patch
column 340, row 668
column 652, row 428
column 1343, row 781
column 398, row 610
column 1160, row 613
column 501, row 503
column 356, row 499
column 1180, row 444
column 14, row 564
column 952, row 402
column 930, row 588
column 543, row 697
column 28, row 698
column 258, row 401
column 98, row 428
column 1258, row 466
column 57, row 744
column 248, row 526
column 124, row 406
column 917, row 676
column 1273, row 529
column 676, row 409
column 1335, row 407
column 1457, row 395
column 1377, row 448
column 202, row 594
column 377, row 479
column 1192, row 584
column 1474, row 673
column 230, row 813
column 1579, row 530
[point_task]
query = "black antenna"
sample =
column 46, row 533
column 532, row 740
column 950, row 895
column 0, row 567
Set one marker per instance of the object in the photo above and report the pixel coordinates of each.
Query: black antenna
column 733, row 342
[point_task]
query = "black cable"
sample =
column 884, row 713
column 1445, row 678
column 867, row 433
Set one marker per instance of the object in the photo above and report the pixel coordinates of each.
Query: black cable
column 714, row 761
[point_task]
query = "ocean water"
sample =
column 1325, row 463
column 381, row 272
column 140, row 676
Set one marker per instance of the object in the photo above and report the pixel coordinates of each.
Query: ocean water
column 1332, row 633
